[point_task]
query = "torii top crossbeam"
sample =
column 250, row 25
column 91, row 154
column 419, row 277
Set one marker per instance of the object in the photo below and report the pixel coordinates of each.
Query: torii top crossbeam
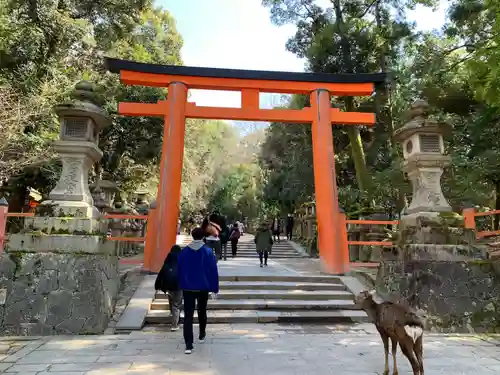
column 250, row 83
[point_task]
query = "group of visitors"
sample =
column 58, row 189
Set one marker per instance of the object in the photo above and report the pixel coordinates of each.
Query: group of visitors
column 219, row 234
column 191, row 274
column 277, row 228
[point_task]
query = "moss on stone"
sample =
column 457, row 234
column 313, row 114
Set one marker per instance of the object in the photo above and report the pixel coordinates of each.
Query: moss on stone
column 484, row 265
column 17, row 258
column 488, row 317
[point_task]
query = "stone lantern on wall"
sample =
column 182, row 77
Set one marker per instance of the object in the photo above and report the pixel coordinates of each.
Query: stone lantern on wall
column 81, row 122
column 424, row 159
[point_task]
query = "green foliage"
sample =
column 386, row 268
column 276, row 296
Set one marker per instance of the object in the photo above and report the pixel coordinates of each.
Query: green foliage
column 48, row 46
column 455, row 70
column 236, row 193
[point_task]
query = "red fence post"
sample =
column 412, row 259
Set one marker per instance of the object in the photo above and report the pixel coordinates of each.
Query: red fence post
column 4, row 209
column 469, row 218
column 344, row 242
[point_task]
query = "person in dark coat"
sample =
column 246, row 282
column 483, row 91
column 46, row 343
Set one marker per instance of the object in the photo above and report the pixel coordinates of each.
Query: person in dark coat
column 289, row 227
column 168, row 282
column 234, row 236
column 276, row 229
column 223, row 235
column 264, row 243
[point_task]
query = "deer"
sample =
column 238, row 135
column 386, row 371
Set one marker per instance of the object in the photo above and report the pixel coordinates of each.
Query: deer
column 400, row 324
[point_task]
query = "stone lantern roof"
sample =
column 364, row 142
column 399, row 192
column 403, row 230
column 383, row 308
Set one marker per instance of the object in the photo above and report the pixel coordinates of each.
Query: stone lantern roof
column 419, row 122
column 85, row 104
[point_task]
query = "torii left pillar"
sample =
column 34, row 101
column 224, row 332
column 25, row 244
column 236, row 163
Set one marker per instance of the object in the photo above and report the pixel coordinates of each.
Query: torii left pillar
column 169, row 188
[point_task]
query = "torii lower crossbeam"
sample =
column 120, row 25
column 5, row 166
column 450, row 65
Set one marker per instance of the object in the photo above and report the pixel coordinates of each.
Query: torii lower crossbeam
column 320, row 87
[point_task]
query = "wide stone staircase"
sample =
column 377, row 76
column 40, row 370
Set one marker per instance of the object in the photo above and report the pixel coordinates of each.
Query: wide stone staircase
column 246, row 248
column 273, row 299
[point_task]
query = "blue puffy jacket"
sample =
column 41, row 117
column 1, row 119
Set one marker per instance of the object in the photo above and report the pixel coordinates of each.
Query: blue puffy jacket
column 197, row 268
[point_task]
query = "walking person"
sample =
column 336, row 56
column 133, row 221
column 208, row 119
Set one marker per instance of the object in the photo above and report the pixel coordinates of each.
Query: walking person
column 241, row 227
column 264, row 242
column 289, row 227
column 224, row 237
column 276, row 229
column 234, row 236
column 198, row 276
column 168, row 282
column 212, row 239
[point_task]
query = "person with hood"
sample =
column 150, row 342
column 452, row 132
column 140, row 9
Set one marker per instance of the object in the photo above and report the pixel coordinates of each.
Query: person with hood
column 264, row 242
column 167, row 281
column 198, row 276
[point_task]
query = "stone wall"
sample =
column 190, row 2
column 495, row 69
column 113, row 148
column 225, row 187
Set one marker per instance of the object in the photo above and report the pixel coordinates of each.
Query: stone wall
column 455, row 296
column 48, row 293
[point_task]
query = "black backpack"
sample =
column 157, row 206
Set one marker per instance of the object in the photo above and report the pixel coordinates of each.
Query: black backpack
column 167, row 278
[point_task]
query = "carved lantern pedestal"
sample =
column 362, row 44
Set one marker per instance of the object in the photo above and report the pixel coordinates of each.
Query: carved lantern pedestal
column 424, row 159
column 67, row 270
column 429, row 218
column 434, row 267
column 81, row 123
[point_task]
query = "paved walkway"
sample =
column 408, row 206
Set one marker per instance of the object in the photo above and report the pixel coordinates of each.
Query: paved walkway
column 243, row 350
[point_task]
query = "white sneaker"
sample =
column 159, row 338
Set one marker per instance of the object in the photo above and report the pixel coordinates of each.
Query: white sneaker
column 173, row 329
column 188, row 351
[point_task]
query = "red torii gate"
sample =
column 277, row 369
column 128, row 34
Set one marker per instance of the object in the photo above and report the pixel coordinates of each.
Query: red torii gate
column 162, row 224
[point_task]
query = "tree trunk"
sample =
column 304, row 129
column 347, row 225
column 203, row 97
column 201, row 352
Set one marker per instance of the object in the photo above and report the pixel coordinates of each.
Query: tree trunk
column 496, row 218
column 358, row 155
column 363, row 177
column 384, row 104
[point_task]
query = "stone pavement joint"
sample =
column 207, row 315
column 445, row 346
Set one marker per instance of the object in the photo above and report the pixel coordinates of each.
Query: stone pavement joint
column 249, row 350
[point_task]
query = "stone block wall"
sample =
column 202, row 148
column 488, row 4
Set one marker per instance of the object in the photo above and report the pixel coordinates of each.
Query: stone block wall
column 455, row 296
column 49, row 293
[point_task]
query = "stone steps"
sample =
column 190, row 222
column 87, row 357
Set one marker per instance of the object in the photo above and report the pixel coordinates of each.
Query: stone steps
column 304, row 279
column 272, row 256
column 271, row 299
column 267, row 304
column 280, row 285
column 267, row 316
column 249, row 294
column 247, row 249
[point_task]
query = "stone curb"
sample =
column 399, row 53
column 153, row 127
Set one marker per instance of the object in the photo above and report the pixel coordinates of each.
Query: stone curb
column 299, row 249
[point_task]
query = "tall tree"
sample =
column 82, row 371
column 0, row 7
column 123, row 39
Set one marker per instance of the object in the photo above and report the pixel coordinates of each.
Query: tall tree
column 353, row 37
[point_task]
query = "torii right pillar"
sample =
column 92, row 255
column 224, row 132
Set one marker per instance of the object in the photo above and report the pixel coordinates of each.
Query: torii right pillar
column 333, row 254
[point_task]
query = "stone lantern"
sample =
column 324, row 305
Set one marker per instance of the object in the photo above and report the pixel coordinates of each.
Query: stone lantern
column 81, row 122
column 141, row 203
column 103, row 193
column 424, row 159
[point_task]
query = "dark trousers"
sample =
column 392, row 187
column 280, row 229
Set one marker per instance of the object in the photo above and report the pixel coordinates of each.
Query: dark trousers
column 289, row 233
column 234, row 247
column 200, row 300
column 216, row 246
column 263, row 255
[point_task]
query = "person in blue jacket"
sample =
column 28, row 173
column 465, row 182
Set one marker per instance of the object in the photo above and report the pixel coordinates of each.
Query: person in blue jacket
column 198, row 276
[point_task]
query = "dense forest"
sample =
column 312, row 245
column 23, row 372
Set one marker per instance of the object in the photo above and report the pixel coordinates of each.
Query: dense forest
column 46, row 47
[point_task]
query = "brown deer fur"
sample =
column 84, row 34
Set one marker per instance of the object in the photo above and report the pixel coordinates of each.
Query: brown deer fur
column 400, row 324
